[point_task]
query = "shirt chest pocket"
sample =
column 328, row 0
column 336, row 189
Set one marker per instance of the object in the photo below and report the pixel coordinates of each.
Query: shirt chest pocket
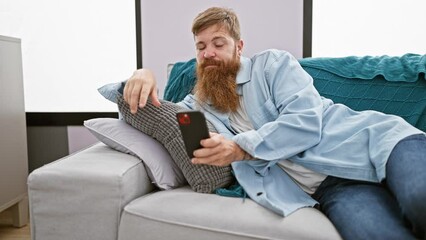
column 264, row 113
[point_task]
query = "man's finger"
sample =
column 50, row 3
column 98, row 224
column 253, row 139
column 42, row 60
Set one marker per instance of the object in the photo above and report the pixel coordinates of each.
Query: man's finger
column 143, row 96
column 134, row 100
column 202, row 161
column 126, row 91
column 214, row 140
column 154, row 98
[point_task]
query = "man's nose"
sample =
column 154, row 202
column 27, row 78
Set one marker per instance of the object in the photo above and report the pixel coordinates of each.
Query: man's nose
column 209, row 54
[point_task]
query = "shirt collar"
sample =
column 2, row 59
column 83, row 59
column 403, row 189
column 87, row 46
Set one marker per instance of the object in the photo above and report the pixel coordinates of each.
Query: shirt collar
column 243, row 75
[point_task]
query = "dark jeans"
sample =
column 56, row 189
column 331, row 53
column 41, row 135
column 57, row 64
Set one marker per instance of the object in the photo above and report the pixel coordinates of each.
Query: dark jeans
column 394, row 209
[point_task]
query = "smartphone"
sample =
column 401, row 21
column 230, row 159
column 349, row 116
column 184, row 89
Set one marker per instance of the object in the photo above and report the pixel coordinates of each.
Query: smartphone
column 193, row 127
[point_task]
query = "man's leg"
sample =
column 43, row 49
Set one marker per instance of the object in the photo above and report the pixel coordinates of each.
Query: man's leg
column 361, row 210
column 406, row 179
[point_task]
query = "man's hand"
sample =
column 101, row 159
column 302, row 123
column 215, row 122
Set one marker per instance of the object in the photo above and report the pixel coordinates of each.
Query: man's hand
column 139, row 87
column 218, row 151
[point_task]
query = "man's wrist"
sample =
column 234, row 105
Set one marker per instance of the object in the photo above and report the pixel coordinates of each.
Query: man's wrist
column 247, row 156
column 242, row 154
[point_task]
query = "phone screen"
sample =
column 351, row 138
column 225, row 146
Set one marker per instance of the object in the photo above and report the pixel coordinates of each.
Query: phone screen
column 194, row 128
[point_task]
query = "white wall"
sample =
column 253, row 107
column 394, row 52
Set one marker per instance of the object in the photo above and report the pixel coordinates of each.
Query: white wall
column 70, row 48
column 167, row 37
column 365, row 27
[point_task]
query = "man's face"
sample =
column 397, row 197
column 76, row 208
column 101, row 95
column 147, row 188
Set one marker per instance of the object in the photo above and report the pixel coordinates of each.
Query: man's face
column 216, row 43
column 218, row 63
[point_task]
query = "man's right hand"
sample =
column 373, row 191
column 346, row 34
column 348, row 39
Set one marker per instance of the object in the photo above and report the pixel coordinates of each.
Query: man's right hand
column 139, row 87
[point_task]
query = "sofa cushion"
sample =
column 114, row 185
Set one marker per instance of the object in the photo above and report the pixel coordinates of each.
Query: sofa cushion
column 119, row 135
column 161, row 124
column 183, row 214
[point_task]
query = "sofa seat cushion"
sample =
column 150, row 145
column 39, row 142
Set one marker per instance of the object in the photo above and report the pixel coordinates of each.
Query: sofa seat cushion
column 184, row 214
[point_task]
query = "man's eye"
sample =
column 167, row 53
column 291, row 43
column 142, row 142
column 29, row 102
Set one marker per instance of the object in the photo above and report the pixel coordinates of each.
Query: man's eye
column 201, row 48
column 219, row 45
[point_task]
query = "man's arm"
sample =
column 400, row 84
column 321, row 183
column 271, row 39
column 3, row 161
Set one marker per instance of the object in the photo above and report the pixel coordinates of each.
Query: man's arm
column 139, row 87
column 290, row 106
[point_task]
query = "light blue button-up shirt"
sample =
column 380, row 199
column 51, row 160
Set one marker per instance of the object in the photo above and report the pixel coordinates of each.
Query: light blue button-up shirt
column 292, row 121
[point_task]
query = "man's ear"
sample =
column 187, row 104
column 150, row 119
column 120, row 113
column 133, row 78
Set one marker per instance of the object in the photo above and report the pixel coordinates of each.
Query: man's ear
column 240, row 45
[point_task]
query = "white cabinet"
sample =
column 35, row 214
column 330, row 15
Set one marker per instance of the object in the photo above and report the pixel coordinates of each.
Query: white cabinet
column 13, row 134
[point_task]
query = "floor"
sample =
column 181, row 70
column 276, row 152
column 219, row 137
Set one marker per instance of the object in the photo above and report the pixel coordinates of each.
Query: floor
column 8, row 232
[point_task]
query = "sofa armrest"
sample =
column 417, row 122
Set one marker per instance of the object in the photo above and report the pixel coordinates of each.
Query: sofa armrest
column 82, row 196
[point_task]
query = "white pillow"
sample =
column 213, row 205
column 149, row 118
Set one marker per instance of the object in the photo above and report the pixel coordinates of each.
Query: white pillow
column 122, row 137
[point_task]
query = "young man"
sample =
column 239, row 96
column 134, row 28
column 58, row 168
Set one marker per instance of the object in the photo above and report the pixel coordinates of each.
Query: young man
column 291, row 148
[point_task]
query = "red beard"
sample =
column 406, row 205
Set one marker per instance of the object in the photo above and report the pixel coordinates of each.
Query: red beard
column 217, row 84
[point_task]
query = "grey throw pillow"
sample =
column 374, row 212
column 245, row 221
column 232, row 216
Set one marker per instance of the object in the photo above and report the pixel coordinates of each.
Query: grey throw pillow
column 119, row 135
column 160, row 123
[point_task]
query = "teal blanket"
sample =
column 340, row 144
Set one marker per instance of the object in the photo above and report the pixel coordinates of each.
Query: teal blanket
column 181, row 81
column 393, row 85
column 407, row 68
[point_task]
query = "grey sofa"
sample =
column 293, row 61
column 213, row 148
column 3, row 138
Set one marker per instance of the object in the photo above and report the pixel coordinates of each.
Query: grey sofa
column 101, row 193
